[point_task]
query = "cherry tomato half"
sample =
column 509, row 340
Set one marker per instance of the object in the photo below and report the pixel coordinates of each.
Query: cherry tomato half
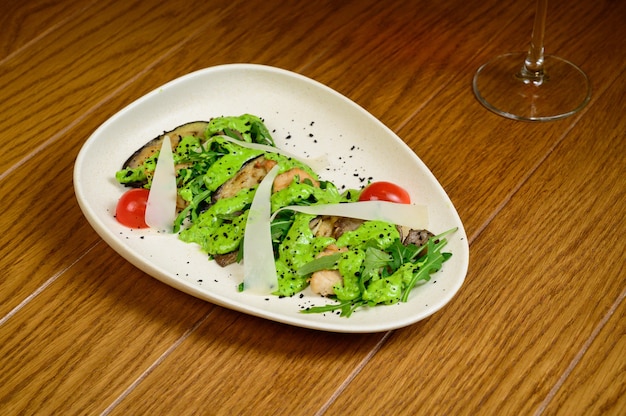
column 385, row 191
column 131, row 208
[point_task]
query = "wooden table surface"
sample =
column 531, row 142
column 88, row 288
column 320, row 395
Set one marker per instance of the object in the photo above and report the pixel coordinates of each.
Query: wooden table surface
column 539, row 326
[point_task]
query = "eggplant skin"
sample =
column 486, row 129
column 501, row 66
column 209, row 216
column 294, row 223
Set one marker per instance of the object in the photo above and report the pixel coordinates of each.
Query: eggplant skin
column 137, row 159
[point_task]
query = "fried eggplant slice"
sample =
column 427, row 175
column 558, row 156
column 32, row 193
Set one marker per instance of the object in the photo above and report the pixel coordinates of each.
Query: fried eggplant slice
column 225, row 259
column 137, row 159
column 250, row 174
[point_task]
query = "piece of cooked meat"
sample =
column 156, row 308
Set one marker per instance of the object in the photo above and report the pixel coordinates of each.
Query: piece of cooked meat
column 331, row 226
column 250, row 174
column 322, row 226
column 323, row 281
column 417, row 237
column 226, row 259
column 284, row 179
column 343, row 225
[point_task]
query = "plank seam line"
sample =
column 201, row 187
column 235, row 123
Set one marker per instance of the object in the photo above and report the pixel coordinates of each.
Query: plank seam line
column 44, row 34
column 353, row 374
column 579, row 356
column 155, row 364
column 498, row 209
column 43, row 287
column 579, row 117
column 523, row 180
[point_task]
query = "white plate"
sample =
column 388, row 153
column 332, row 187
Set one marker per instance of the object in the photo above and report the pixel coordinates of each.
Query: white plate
column 306, row 118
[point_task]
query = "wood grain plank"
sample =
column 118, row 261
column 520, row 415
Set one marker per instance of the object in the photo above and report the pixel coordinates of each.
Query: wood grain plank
column 104, row 336
column 505, row 340
column 235, row 363
column 48, row 233
column 597, row 386
column 80, row 343
column 87, row 59
column 407, row 54
column 24, row 22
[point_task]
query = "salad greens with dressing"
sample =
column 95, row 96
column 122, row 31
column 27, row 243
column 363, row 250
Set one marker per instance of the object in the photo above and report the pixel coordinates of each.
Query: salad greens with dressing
column 220, row 165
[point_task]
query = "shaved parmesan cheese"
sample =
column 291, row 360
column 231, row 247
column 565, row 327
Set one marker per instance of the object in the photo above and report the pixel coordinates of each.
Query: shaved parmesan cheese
column 161, row 207
column 316, row 164
column 413, row 216
column 259, row 267
column 258, row 256
column 259, row 270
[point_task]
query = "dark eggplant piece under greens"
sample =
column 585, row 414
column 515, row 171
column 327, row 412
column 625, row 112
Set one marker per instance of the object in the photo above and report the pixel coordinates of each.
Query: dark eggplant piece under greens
column 138, row 168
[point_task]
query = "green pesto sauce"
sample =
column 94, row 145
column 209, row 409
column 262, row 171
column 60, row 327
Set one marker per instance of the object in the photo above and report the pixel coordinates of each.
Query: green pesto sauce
column 285, row 163
column 350, row 267
column 238, row 123
column 298, row 193
column 388, row 290
column 186, row 145
column 250, row 128
column 301, row 247
column 382, row 234
column 378, row 234
column 139, row 174
column 298, row 248
column 228, row 165
column 220, row 229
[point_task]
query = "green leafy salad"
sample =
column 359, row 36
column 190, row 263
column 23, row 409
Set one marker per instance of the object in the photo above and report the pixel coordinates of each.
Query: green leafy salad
column 345, row 245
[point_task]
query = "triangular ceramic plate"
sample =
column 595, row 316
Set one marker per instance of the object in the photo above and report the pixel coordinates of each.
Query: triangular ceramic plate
column 305, row 118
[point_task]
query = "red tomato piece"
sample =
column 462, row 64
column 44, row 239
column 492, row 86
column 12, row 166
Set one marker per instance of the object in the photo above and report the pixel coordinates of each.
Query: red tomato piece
column 131, row 208
column 385, row 191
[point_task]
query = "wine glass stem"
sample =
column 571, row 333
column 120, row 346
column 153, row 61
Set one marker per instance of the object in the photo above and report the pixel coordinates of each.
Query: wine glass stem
column 532, row 71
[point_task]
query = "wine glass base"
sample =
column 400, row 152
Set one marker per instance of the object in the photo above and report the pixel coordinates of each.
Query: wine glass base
column 563, row 91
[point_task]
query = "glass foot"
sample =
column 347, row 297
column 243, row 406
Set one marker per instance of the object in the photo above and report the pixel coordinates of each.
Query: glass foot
column 561, row 90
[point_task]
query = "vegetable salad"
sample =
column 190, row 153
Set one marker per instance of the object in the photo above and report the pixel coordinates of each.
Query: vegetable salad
column 318, row 234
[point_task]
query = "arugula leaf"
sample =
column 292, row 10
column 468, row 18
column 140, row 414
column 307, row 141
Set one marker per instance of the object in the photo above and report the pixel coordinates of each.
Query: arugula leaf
column 347, row 308
column 260, row 134
column 328, row 262
column 431, row 263
column 375, row 259
column 388, row 276
column 190, row 209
